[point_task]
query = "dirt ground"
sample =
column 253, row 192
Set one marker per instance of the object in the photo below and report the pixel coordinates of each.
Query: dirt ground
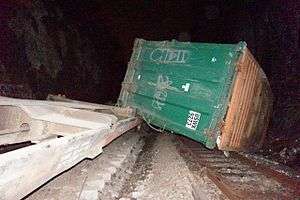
column 161, row 173
column 138, row 165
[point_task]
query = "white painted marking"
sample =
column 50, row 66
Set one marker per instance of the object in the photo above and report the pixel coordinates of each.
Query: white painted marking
column 193, row 120
column 214, row 59
column 168, row 55
column 186, row 87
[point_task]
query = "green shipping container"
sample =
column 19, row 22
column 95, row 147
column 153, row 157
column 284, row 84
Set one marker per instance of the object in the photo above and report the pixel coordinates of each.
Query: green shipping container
column 183, row 87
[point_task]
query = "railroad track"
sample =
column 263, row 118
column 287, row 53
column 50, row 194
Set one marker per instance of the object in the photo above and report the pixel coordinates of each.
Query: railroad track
column 241, row 176
column 135, row 163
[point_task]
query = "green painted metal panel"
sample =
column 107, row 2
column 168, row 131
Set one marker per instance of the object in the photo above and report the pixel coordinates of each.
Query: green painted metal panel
column 182, row 87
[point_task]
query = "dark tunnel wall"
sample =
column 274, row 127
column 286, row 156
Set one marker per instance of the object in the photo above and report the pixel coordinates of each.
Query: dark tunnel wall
column 81, row 48
column 55, row 50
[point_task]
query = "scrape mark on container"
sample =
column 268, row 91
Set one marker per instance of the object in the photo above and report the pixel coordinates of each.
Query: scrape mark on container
column 160, row 95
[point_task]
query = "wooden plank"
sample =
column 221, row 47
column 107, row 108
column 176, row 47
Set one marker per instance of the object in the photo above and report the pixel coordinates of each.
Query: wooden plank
column 249, row 107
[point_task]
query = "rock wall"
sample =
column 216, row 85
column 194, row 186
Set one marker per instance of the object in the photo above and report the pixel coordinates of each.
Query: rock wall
column 53, row 53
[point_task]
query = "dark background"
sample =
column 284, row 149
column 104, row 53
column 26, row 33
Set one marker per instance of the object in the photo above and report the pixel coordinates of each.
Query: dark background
column 81, row 48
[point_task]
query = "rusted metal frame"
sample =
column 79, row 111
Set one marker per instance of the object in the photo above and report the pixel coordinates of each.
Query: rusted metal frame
column 230, row 189
column 285, row 180
column 226, row 186
column 25, row 169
